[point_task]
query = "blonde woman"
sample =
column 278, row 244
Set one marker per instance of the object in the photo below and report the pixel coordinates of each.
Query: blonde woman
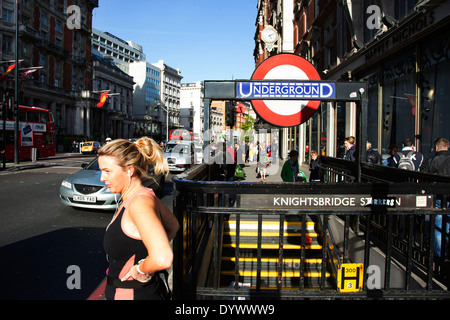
column 137, row 241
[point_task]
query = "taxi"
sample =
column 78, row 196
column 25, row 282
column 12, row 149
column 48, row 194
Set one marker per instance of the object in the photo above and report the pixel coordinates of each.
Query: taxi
column 90, row 147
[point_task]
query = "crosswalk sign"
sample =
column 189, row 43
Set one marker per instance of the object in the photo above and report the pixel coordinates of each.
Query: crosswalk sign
column 350, row 277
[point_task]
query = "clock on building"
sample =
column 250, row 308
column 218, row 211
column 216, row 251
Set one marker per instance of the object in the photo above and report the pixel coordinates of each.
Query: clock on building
column 269, row 35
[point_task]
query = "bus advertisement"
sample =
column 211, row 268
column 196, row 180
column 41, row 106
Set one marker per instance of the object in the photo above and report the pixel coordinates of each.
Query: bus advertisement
column 36, row 130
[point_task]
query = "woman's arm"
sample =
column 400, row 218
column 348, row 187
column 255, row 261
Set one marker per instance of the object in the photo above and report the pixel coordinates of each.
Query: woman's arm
column 143, row 213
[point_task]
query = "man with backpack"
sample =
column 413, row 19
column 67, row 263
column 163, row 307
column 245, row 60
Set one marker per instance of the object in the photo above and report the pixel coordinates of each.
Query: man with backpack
column 408, row 158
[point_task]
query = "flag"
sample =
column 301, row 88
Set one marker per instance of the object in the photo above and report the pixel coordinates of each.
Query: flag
column 103, row 97
column 8, row 71
column 26, row 72
column 411, row 98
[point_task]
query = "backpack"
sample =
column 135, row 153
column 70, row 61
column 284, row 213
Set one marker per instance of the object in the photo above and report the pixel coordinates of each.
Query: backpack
column 406, row 162
column 301, row 177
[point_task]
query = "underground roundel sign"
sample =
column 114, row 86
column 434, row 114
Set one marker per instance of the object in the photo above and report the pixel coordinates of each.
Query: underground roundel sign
column 300, row 100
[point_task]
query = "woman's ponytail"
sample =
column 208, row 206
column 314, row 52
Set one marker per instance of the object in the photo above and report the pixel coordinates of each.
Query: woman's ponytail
column 153, row 154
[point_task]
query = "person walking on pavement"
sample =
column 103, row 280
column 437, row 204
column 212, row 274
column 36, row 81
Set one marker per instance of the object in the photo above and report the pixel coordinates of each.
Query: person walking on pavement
column 439, row 164
column 290, row 171
column 314, row 166
column 408, row 157
column 350, row 148
column 372, row 156
column 137, row 241
column 263, row 160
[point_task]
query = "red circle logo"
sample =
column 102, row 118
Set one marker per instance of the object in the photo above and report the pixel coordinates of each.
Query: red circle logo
column 286, row 67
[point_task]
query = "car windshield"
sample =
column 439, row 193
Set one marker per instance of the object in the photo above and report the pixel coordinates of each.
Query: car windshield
column 175, row 147
column 93, row 165
column 87, row 144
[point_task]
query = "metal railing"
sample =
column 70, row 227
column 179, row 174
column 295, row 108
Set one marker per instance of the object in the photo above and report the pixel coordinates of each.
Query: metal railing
column 396, row 235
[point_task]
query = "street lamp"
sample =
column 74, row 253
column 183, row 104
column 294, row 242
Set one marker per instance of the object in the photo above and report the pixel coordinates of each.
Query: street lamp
column 16, row 87
column 166, row 109
column 167, row 121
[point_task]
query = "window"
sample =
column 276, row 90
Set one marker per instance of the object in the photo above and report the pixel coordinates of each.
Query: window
column 43, row 60
column 7, row 15
column 7, row 44
column 399, row 99
column 44, row 117
column 44, row 18
column 33, row 116
column 372, row 116
column 58, row 26
column 403, row 8
column 435, row 96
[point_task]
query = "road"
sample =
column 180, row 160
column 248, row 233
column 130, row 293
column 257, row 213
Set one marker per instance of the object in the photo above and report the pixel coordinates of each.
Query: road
column 42, row 241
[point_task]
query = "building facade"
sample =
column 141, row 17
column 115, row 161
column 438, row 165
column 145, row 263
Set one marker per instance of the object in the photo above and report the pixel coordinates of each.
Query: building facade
column 170, row 97
column 63, row 55
column 147, row 99
column 156, row 89
column 121, row 52
column 191, row 108
column 399, row 47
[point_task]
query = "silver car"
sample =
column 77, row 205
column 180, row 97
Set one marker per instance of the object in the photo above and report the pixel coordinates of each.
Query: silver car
column 84, row 189
column 179, row 154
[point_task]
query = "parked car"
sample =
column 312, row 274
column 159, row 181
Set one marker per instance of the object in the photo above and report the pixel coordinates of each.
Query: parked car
column 84, row 189
column 180, row 155
column 90, row 147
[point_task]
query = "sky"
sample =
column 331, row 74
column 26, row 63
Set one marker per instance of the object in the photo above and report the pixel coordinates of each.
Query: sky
column 206, row 39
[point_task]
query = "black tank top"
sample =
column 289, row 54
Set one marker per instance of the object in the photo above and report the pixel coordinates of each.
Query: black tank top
column 124, row 250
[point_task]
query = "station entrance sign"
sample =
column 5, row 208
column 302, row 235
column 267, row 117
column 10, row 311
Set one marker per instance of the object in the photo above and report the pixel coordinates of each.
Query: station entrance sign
column 290, row 101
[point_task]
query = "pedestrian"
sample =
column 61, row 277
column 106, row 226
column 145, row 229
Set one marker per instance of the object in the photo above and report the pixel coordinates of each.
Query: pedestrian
column 291, row 171
column 314, row 166
column 262, row 160
column 350, row 148
column 372, row 156
column 408, row 158
column 392, row 150
column 137, row 241
column 240, row 153
column 274, row 151
column 246, row 151
column 439, row 163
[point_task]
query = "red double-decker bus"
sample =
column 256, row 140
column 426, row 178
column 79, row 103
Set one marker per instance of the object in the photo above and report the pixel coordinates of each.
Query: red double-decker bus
column 181, row 134
column 36, row 130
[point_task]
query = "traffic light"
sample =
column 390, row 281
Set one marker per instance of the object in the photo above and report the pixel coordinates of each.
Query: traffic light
column 230, row 114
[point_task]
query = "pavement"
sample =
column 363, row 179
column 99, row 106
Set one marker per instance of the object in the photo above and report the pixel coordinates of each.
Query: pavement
column 40, row 163
column 273, row 172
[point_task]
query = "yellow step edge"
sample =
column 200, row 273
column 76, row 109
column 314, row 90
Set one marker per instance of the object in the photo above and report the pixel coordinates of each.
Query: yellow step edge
column 270, row 246
column 289, row 260
column 273, row 287
column 292, row 223
column 284, row 274
column 268, row 234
